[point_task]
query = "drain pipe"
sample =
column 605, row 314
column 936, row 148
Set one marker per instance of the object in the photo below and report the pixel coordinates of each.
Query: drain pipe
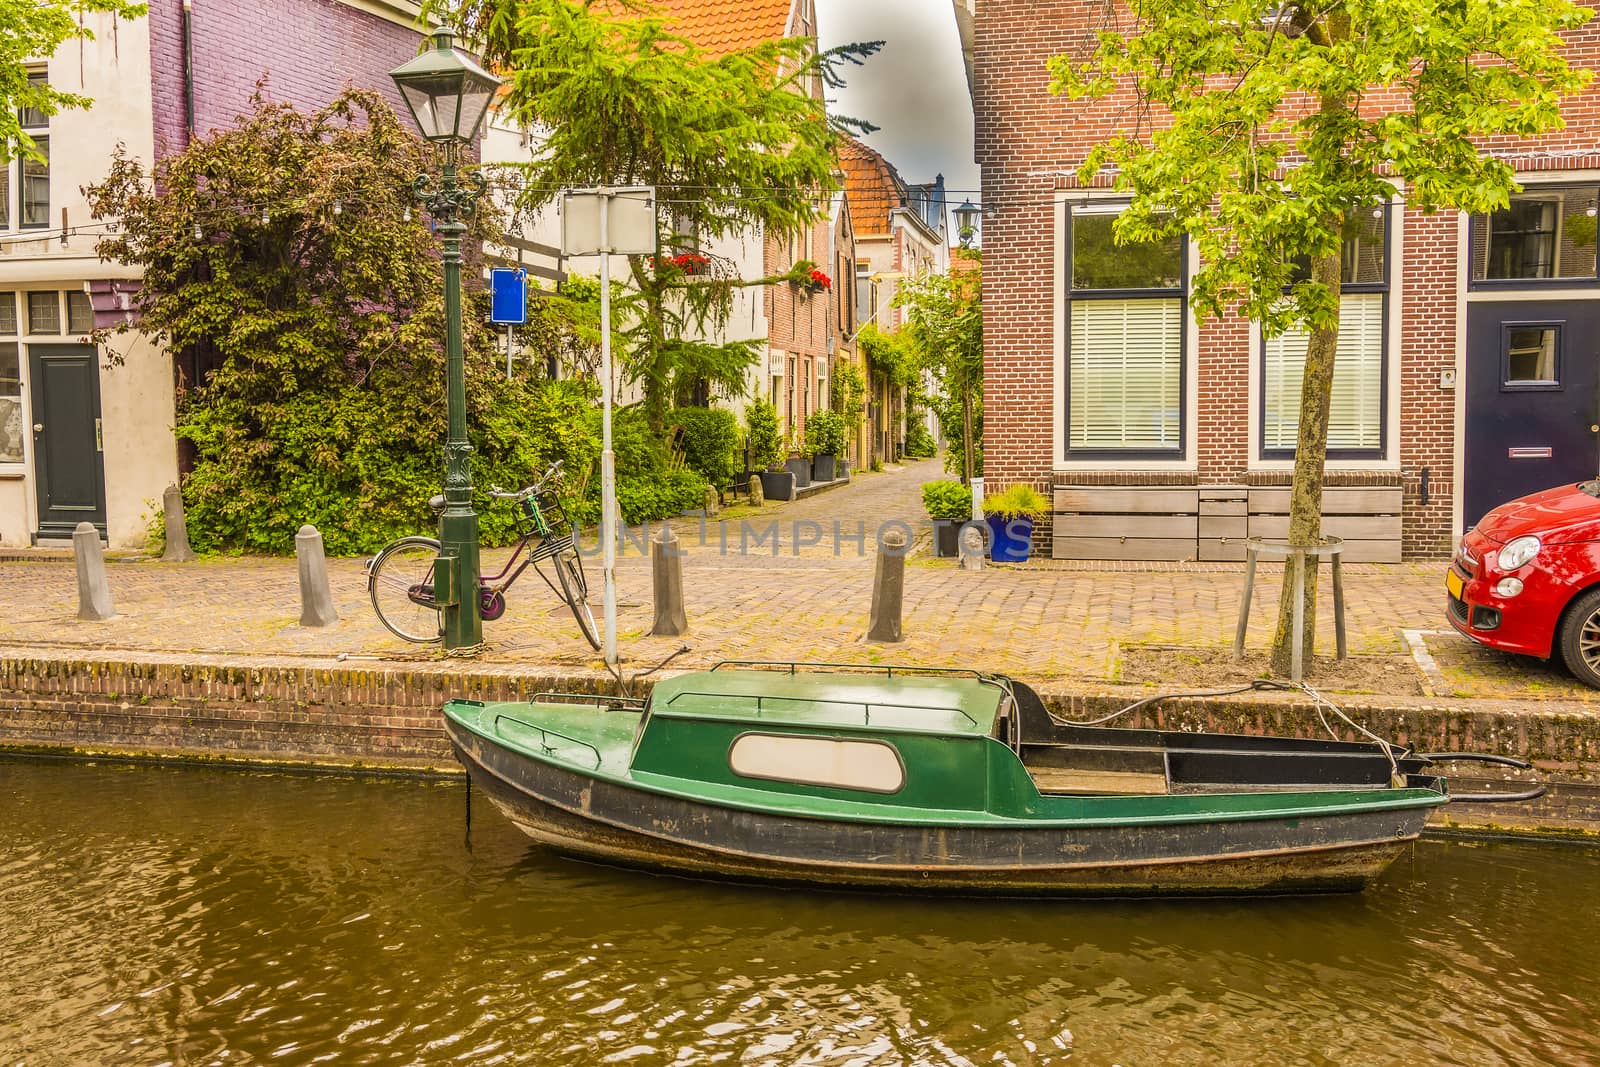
column 186, row 36
column 1424, row 487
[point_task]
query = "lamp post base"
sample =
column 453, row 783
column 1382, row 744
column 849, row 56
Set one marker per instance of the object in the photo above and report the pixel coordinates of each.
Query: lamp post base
column 458, row 539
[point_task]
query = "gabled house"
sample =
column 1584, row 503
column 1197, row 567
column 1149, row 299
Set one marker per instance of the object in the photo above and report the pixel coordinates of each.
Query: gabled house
column 900, row 233
column 803, row 330
column 1465, row 374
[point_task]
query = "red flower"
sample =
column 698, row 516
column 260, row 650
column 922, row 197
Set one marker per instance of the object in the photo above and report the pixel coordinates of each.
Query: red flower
column 820, row 280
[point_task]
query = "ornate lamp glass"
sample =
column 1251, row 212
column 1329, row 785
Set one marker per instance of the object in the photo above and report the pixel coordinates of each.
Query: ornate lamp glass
column 966, row 223
column 446, row 92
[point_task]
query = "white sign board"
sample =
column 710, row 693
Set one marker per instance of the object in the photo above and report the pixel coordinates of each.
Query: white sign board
column 630, row 221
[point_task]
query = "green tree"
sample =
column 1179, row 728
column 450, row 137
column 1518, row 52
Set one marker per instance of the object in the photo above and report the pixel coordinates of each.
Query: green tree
column 944, row 320
column 1260, row 130
column 29, row 30
column 286, row 258
column 730, row 142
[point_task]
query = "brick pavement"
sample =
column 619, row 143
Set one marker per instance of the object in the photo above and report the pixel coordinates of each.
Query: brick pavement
column 1049, row 621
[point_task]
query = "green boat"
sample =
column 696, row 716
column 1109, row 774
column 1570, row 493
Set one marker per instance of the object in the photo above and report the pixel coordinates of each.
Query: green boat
column 952, row 781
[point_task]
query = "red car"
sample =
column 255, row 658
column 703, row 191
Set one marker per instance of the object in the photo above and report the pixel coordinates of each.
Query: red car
column 1526, row 578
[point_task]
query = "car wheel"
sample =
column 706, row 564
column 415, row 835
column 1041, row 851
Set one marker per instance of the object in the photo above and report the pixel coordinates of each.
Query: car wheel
column 1580, row 638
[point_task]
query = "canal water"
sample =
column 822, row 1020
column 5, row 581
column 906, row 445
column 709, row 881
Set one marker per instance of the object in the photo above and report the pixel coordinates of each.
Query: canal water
column 177, row 915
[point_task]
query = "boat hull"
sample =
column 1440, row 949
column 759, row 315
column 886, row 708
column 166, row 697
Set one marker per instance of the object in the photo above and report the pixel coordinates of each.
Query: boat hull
column 603, row 820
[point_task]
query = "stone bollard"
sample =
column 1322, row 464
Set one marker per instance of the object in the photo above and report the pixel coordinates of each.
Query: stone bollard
column 757, row 497
column 666, row 578
column 178, row 550
column 94, row 595
column 972, row 551
column 888, row 589
column 316, row 598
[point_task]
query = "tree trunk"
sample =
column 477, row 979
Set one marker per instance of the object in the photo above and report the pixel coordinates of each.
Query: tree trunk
column 1311, row 452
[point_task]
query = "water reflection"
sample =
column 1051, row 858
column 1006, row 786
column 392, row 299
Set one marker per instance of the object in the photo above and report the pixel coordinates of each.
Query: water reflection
column 154, row 915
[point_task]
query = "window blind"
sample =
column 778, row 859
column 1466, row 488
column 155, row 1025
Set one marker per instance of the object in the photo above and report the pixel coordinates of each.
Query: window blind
column 1355, row 417
column 1125, row 378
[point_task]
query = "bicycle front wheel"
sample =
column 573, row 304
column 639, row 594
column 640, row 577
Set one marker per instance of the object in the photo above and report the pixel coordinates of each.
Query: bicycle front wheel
column 400, row 582
column 575, row 591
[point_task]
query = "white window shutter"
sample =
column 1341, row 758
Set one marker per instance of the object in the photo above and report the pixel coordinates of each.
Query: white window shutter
column 1125, row 374
column 1355, row 416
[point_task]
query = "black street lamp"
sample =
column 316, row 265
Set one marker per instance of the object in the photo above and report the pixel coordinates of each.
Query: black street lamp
column 448, row 95
column 966, row 223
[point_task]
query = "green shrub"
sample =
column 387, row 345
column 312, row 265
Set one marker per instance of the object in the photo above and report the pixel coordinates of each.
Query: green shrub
column 919, row 442
column 766, row 442
column 950, row 501
column 1019, row 501
column 710, row 442
column 660, row 496
column 648, row 488
column 825, row 434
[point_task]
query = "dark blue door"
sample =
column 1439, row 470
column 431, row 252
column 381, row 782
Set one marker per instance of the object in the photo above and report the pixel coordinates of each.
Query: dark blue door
column 1533, row 399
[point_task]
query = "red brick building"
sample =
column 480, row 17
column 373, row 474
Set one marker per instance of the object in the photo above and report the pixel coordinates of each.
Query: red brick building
column 1468, row 371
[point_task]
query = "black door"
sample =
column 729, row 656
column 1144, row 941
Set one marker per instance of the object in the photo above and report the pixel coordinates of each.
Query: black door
column 1533, row 399
column 67, row 462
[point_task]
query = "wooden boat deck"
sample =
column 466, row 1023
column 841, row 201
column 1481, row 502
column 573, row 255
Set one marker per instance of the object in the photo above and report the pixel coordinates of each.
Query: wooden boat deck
column 1072, row 781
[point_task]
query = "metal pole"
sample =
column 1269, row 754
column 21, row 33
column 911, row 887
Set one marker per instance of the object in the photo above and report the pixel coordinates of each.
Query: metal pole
column 1244, row 603
column 608, row 459
column 458, row 526
column 1297, row 661
column 1338, row 607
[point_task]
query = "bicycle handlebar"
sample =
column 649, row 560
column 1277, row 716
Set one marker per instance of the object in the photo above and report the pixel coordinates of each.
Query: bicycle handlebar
column 523, row 494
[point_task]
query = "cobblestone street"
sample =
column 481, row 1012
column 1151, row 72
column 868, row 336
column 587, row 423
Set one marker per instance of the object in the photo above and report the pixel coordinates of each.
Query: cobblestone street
column 787, row 581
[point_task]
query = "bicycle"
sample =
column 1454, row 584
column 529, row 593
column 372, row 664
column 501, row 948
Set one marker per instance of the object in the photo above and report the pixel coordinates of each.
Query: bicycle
column 400, row 577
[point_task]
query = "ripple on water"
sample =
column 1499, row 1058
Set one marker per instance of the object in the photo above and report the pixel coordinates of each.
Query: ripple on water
column 151, row 914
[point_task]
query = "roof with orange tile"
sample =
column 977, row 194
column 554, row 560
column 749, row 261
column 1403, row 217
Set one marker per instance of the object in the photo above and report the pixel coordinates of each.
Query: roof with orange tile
column 873, row 185
column 722, row 26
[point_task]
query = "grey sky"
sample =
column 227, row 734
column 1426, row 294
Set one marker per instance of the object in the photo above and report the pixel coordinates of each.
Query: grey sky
column 914, row 89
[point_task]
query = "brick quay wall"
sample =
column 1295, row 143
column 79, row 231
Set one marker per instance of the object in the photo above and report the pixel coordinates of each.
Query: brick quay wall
column 384, row 715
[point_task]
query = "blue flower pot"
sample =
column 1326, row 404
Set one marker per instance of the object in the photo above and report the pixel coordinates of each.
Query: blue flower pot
column 1010, row 539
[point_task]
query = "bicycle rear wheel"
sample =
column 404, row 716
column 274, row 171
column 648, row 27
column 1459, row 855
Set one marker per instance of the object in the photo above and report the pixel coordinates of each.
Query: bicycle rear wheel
column 575, row 591
column 400, row 582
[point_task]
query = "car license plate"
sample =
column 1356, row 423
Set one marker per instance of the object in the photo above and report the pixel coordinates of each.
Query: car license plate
column 1453, row 582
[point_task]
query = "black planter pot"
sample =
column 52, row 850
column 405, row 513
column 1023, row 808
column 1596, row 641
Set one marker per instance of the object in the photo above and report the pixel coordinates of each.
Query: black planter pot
column 777, row 485
column 800, row 467
column 946, row 538
column 824, row 468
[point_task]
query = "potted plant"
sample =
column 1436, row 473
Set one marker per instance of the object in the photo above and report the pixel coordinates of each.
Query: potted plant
column 825, row 439
column 949, row 505
column 799, row 461
column 766, row 450
column 1011, row 515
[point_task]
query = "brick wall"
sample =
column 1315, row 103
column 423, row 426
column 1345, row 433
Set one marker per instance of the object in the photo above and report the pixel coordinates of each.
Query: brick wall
column 215, row 707
column 308, row 50
column 1029, row 143
column 799, row 321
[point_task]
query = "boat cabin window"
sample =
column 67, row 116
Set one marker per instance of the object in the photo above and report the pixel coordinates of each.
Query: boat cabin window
column 871, row 766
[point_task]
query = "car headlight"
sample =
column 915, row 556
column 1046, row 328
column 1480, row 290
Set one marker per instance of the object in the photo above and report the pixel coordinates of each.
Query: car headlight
column 1519, row 552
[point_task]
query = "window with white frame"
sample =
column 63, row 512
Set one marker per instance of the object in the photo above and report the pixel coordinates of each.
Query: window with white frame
column 11, row 441
column 25, row 182
column 1360, row 373
column 36, row 315
column 1125, row 341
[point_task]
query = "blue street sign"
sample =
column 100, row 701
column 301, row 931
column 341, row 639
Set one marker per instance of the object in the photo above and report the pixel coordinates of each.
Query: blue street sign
column 510, row 304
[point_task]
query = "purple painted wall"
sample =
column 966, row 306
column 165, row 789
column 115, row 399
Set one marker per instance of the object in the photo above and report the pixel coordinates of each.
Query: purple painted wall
column 309, row 51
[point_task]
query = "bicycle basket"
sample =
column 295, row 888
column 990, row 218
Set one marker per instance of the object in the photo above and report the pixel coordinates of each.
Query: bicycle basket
column 555, row 516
